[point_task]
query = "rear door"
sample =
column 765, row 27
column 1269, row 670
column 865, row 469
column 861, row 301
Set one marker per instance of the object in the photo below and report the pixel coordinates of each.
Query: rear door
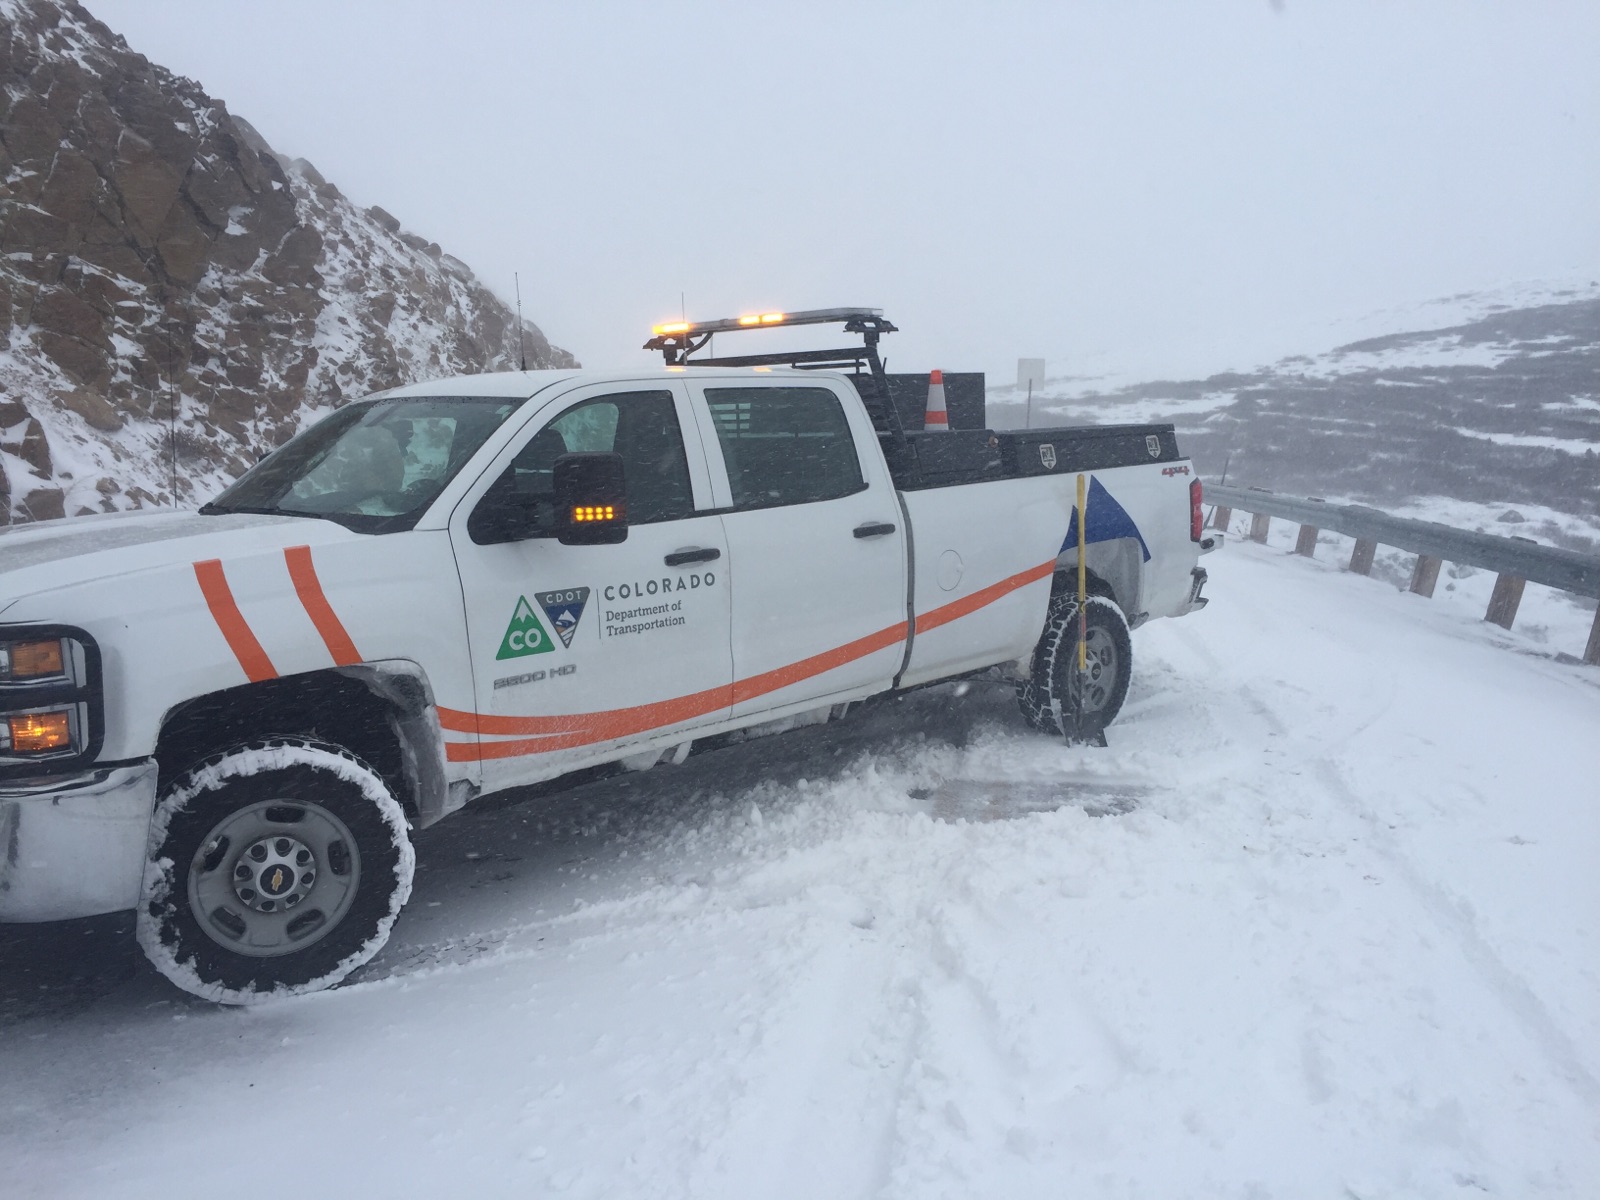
column 816, row 543
column 578, row 651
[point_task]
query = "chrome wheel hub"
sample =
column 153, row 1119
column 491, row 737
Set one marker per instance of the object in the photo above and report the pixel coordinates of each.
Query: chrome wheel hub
column 273, row 877
column 275, row 873
column 1093, row 685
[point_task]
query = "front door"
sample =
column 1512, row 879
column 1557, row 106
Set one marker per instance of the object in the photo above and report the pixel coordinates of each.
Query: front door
column 578, row 651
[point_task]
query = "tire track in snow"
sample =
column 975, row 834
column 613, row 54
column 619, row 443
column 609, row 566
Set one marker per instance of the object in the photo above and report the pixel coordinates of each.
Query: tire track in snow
column 1454, row 917
column 816, row 1117
column 1316, row 749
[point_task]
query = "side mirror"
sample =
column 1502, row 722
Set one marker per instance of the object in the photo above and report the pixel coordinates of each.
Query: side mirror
column 591, row 500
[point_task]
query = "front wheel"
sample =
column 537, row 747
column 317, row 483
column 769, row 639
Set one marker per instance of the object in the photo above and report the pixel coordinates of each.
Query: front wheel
column 274, row 869
column 1086, row 701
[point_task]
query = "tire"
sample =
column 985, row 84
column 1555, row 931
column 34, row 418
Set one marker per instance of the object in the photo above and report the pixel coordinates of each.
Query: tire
column 1055, row 675
column 1034, row 704
column 274, row 869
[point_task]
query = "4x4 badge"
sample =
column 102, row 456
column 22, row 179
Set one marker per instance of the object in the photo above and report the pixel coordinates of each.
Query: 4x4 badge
column 565, row 610
column 524, row 635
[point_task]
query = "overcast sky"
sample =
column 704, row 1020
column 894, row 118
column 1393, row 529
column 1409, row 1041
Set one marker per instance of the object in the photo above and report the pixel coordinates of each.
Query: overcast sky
column 1151, row 188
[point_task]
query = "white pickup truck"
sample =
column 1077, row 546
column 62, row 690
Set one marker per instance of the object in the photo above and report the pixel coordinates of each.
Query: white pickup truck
column 229, row 720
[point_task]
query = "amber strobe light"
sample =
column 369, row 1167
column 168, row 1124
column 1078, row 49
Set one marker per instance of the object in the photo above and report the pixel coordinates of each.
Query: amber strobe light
column 39, row 731
column 594, row 512
column 31, row 660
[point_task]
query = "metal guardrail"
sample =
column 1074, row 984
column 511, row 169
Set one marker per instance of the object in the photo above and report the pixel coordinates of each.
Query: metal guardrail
column 1515, row 560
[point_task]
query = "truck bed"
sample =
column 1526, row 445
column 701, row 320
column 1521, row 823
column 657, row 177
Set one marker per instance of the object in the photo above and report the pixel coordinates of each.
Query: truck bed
column 969, row 453
column 961, row 456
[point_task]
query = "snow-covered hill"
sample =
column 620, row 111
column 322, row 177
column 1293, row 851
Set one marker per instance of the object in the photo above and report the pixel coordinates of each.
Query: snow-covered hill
column 1482, row 411
column 1320, row 922
column 162, row 268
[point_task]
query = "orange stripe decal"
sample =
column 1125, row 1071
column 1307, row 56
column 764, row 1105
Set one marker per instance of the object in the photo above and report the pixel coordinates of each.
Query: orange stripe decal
column 616, row 722
column 619, row 722
column 817, row 664
column 453, row 720
column 309, row 589
column 581, row 729
column 584, row 729
column 235, row 630
column 979, row 599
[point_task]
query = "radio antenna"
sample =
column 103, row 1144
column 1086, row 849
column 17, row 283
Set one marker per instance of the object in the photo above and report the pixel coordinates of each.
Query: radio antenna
column 172, row 418
column 522, row 343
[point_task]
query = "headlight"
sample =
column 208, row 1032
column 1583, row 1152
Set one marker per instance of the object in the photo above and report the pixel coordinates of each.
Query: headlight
column 50, row 708
column 20, row 661
column 48, row 732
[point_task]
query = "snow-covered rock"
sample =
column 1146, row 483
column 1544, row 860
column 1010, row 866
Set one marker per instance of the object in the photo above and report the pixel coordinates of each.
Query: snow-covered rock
column 161, row 267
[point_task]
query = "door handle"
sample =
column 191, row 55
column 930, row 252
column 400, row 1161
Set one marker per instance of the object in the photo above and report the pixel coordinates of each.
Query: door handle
column 682, row 558
column 874, row 529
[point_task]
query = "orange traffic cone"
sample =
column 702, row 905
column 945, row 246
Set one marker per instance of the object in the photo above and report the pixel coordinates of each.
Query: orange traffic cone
column 936, row 417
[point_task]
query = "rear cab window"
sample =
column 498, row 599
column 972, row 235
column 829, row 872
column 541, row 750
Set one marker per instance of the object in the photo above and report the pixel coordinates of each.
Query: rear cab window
column 784, row 445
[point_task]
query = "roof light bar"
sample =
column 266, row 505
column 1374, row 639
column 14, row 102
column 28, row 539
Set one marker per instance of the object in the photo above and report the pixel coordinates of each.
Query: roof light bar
column 678, row 341
column 815, row 316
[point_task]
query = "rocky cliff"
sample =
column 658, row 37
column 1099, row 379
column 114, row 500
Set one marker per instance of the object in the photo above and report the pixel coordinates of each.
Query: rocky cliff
column 173, row 291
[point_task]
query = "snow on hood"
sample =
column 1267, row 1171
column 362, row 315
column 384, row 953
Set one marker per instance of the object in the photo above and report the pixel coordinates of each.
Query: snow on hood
column 54, row 554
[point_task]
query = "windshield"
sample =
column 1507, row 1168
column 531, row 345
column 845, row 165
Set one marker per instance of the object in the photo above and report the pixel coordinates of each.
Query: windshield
column 372, row 467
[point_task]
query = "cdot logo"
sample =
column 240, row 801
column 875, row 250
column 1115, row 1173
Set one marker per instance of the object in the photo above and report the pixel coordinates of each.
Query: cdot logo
column 524, row 635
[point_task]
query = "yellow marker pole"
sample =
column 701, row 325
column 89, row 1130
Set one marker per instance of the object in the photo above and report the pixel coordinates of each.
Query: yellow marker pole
column 1083, row 575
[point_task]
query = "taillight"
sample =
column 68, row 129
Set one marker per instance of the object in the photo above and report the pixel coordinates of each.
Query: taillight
column 1196, row 520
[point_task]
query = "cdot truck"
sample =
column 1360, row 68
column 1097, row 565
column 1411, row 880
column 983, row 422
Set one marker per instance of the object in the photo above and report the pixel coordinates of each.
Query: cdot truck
column 230, row 720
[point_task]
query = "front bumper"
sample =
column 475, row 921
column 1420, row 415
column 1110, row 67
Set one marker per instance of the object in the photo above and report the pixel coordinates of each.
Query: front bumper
column 74, row 846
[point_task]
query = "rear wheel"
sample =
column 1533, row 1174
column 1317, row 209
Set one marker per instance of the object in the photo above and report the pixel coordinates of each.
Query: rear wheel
column 1086, row 701
column 274, row 869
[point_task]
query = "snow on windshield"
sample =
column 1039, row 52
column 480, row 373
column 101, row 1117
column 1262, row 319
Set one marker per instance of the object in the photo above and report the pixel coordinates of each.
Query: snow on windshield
column 385, row 461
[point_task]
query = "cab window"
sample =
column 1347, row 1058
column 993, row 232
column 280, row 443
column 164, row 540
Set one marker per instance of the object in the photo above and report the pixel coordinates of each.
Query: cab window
column 784, row 445
column 640, row 426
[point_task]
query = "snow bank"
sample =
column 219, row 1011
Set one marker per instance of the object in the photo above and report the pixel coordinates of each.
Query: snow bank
column 1319, row 923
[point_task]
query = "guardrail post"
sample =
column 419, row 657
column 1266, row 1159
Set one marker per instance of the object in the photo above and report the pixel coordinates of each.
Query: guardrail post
column 1426, row 575
column 1361, row 556
column 1258, row 527
column 1222, row 517
column 1306, row 544
column 1504, row 600
column 1591, row 653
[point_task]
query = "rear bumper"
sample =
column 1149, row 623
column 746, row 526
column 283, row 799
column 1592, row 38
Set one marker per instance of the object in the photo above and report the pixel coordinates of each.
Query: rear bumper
column 1195, row 600
column 74, row 846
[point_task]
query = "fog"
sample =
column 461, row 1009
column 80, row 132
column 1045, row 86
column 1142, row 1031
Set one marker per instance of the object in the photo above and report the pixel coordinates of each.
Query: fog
column 1151, row 189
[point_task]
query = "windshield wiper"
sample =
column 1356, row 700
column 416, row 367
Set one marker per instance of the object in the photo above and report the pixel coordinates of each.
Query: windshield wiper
column 213, row 509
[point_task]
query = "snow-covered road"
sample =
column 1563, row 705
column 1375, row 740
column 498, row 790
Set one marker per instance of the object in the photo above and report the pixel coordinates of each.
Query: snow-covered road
column 1321, row 922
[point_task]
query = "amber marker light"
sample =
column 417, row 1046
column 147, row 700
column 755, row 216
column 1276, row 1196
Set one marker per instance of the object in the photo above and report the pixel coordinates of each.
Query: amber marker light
column 39, row 731
column 594, row 512
column 32, row 660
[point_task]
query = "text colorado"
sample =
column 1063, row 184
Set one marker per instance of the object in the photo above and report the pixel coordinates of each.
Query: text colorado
column 659, row 587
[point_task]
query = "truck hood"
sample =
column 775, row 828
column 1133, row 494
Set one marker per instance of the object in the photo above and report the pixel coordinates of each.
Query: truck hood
column 56, row 554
